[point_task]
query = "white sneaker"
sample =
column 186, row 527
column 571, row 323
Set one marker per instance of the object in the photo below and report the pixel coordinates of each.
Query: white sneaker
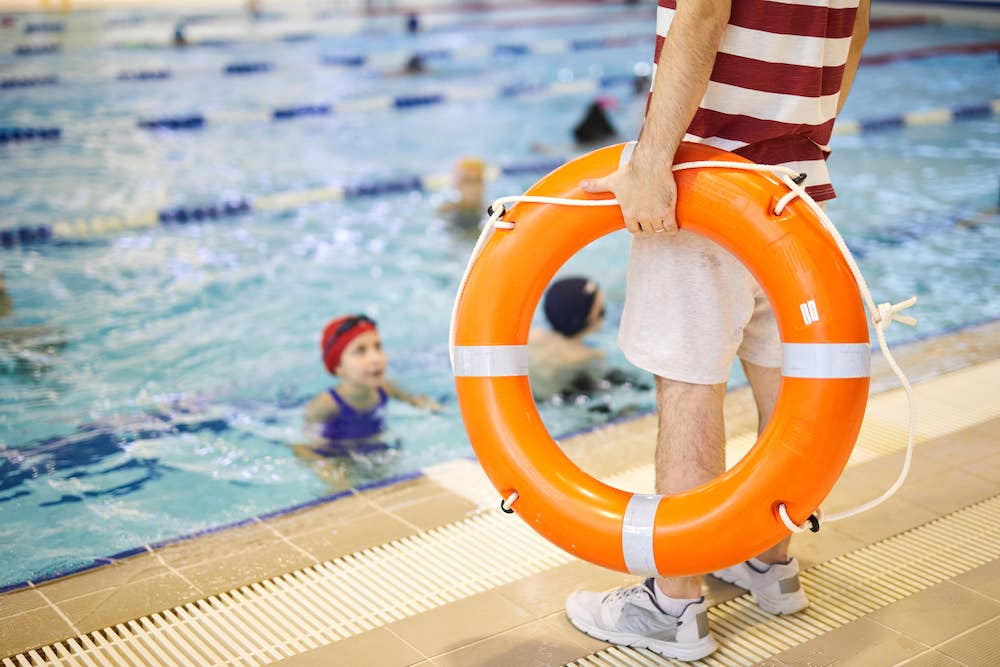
column 776, row 589
column 631, row 617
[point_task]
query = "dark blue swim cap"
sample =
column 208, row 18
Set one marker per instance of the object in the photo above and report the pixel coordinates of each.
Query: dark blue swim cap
column 568, row 303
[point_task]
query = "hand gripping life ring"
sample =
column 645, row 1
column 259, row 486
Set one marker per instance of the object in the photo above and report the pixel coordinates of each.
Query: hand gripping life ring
column 798, row 457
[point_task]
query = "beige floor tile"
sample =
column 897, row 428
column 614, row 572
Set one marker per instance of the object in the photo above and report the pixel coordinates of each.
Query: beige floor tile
column 978, row 648
column 402, row 493
column 893, row 516
column 460, row 623
column 130, row 570
column 127, row 601
column 545, row 593
column 540, row 643
column 249, row 538
column 20, row 601
column 932, row 658
column 32, row 629
column 813, row 548
column 377, row 648
column 421, row 502
column 236, row 568
column 861, row 643
column 343, row 510
column 336, row 539
column 987, row 468
column 966, row 446
column 435, row 511
column 938, row 613
column 590, row 645
column 950, row 491
column 984, row 580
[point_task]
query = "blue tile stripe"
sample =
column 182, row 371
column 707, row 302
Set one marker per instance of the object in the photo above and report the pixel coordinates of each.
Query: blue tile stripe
column 153, row 546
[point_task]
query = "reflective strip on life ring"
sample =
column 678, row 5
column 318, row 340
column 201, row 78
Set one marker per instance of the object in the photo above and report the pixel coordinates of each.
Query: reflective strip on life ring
column 798, row 457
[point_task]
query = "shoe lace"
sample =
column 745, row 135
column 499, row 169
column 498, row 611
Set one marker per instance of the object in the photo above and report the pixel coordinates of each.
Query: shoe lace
column 625, row 593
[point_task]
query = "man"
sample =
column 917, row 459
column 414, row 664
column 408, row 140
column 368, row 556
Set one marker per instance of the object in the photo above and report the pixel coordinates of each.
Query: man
column 764, row 79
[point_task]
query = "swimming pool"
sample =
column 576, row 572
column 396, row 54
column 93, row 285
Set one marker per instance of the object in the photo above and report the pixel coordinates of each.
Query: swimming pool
column 164, row 379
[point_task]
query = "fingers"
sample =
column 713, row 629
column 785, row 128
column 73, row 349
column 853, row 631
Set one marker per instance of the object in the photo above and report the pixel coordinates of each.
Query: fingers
column 595, row 185
column 640, row 224
column 646, row 209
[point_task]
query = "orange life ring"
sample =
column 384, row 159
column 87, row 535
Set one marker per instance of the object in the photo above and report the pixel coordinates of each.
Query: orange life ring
column 798, row 457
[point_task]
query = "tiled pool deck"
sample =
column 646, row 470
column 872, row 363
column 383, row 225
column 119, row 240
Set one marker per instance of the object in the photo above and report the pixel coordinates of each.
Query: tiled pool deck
column 409, row 535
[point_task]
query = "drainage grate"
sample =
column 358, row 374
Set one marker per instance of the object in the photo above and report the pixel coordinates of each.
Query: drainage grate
column 842, row 590
column 274, row 619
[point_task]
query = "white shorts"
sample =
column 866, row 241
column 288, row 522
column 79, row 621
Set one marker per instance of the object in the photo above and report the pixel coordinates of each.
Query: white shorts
column 691, row 307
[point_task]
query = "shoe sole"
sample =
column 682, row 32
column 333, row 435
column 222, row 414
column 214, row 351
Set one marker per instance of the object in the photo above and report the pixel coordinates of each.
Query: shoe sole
column 687, row 652
column 771, row 606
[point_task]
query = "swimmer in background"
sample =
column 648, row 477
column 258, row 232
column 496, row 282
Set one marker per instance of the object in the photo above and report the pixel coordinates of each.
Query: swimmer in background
column 413, row 66
column 466, row 211
column 351, row 416
column 26, row 350
column 559, row 361
column 594, row 130
column 180, row 39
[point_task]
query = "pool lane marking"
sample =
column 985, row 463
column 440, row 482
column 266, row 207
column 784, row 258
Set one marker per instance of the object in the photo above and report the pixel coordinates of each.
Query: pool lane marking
column 83, row 228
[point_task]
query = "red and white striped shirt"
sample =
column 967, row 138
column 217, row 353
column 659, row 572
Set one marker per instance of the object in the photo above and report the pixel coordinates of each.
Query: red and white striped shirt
column 773, row 93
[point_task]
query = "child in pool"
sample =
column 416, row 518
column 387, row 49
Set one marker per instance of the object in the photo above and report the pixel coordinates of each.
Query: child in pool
column 466, row 210
column 560, row 363
column 559, row 360
column 351, row 415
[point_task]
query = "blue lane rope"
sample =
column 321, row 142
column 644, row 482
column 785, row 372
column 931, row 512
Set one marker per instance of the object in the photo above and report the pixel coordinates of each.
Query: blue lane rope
column 22, row 50
column 31, row 28
column 178, row 215
column 363, row 26
column 144, row 75
column 390, row 59
column 193, row 122
column 30, row 81
column 9, row 135
column 401, row 103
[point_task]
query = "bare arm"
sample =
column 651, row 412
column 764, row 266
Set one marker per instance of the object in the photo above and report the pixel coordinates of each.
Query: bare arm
column 858, row 39
column 321, row 408
column 645, row 187
column 422, row 402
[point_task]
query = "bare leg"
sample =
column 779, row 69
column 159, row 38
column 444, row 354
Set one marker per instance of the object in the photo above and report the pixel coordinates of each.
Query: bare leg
column 690, row 450
column 765, row 383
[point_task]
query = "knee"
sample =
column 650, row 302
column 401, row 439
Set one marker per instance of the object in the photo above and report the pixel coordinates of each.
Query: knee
column 674, row 391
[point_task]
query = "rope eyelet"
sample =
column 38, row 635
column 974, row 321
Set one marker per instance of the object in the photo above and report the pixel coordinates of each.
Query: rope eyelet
column 505, row 504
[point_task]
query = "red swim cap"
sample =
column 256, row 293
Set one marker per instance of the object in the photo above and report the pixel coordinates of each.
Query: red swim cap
column 337, row 336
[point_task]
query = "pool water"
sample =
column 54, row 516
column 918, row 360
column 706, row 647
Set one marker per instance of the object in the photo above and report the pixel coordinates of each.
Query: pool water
column 157, row 386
